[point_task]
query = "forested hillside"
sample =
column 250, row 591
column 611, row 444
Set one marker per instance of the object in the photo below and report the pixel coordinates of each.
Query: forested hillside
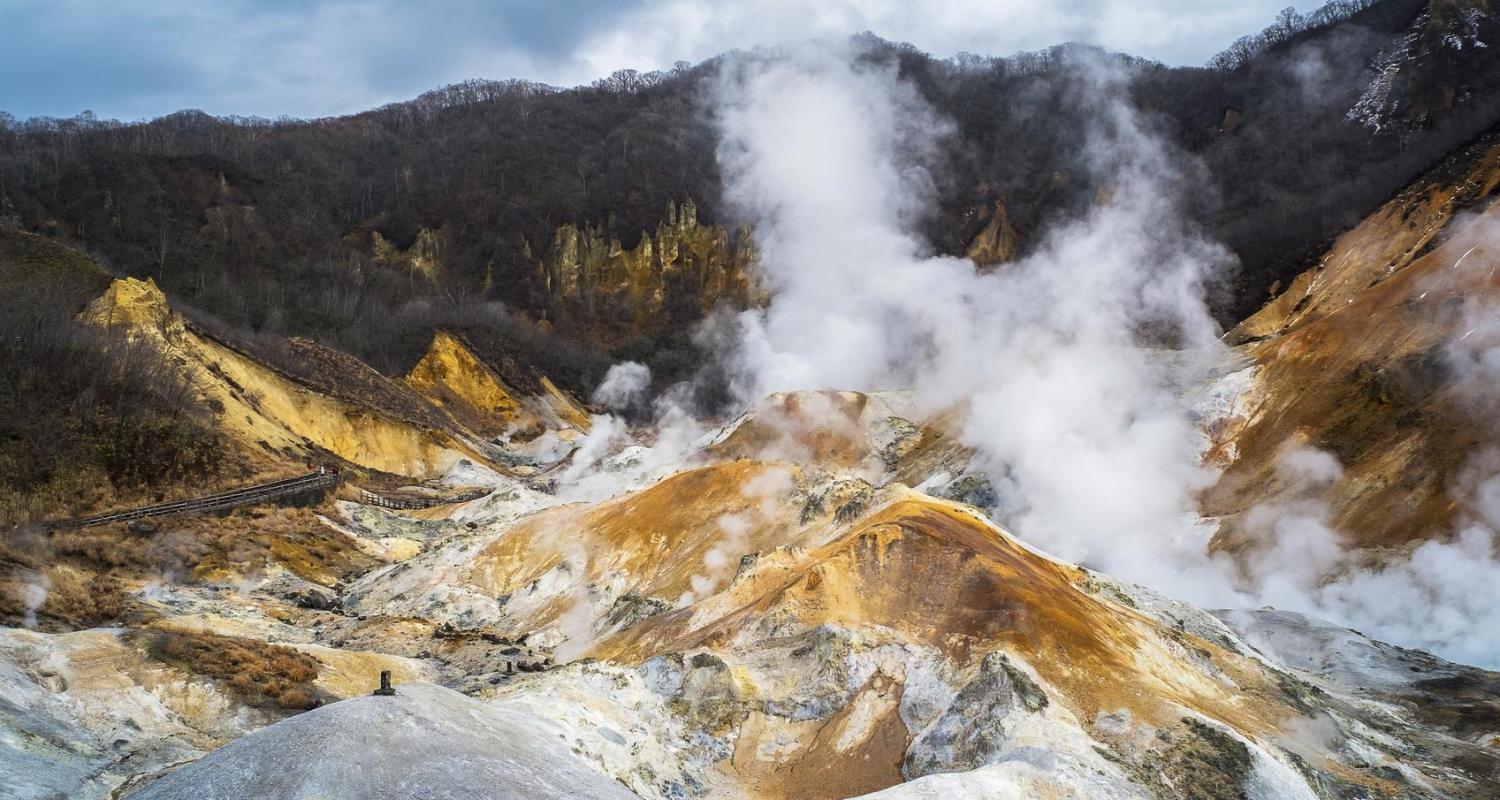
column 365, row 232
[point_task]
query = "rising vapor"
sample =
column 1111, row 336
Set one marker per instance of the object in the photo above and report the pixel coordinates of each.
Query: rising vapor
column 1094, row 456
column 1066, row 364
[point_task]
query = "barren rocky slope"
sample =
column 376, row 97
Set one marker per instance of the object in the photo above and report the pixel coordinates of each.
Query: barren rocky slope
column 744, row 627
column 815, row 596
column 1369, row 355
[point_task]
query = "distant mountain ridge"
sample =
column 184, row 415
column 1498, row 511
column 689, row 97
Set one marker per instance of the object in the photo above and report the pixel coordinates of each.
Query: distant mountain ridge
column 307, row 228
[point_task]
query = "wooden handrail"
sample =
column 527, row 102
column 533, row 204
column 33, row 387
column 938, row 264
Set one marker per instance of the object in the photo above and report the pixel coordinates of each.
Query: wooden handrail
column 412, row 502
column 243, row 496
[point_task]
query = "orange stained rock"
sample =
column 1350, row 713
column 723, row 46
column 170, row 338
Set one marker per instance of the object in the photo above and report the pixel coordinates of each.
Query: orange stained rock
column 659, row 536
column 1373, row 383
column 269, row 413
column 453, row 378
column 1383, row 244
column 818, row 427
column 932, row 573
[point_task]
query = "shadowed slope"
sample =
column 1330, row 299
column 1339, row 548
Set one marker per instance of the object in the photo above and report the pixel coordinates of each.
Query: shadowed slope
column 1362, row 358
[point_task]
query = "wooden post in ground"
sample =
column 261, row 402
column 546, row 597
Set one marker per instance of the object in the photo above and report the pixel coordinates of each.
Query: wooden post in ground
column 386, row 689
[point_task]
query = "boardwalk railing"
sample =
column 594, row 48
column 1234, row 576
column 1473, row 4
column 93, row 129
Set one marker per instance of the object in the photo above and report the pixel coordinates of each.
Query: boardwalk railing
column 244, row 496
column 411, row 502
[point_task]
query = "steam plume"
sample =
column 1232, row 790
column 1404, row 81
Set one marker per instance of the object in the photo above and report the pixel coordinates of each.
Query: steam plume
column 831, row 158
column 1057, row 357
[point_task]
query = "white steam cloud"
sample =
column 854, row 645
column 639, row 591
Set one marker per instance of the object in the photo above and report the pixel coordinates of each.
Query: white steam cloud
column 1066, row 365
column 1301, row 548
column 33, row 595
column 721, row 561
column 624, row 385
column 614, row 458
column 1095, row 456
column 1058, row 358
column 1445, row 595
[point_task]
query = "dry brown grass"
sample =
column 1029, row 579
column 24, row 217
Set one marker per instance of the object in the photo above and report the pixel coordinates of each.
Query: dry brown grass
column 85, row 570
column 72, row 598
column 199, row 547
column 262, row 674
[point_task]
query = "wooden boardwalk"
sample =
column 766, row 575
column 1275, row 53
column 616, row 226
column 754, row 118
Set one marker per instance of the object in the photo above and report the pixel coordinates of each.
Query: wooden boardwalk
column 410, row 502
column 264, row 493
column 234, row 498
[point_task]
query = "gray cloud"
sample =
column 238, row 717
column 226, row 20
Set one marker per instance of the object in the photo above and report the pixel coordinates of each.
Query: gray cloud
column 295, row 57
column 319, row 57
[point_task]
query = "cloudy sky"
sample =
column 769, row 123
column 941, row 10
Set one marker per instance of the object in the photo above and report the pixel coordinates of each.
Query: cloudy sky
column 144, row 58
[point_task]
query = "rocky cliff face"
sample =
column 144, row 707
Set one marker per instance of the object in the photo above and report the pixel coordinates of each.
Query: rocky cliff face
column 1441, row 63
column 592, row 285
column 422, row 258
column 1364, row 357
column 454, row 379
column 335, row 405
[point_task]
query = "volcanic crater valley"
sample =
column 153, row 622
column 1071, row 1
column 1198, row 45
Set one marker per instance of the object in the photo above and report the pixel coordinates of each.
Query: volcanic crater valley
column 882, row 465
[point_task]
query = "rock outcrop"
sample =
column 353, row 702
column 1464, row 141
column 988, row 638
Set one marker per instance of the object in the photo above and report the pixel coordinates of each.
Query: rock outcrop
column 997, row 242
column 276, row 417
column 594, row 286
column 456, row 380
column 422, row 258
column 1441, row 63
